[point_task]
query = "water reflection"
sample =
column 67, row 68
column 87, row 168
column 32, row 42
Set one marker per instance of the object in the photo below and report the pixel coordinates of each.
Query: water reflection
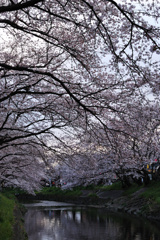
column 77, row 223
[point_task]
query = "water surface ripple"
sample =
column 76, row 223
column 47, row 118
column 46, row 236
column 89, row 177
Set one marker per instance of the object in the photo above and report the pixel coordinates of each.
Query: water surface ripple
column 48, row 220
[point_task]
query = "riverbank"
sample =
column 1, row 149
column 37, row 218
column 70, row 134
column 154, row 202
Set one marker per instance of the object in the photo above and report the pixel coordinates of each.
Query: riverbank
column 136, row 204
column 140, row 201
column 11, row 219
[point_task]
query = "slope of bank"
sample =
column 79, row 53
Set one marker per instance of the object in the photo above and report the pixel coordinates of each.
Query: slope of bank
column 142, row 201
column 137, row 204
column 6, row 217
column 11, row 219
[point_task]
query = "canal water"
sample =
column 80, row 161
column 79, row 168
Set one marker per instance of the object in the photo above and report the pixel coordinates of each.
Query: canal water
column 48, row 220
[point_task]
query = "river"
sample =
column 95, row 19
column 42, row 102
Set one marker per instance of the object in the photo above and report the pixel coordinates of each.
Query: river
column 49, row 220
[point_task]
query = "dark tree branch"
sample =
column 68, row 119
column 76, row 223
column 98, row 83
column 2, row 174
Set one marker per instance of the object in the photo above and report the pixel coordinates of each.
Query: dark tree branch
column 19, row 6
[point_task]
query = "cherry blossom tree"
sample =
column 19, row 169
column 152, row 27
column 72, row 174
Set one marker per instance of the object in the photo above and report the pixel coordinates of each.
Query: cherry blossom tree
column 79, row 68
column 21, row 166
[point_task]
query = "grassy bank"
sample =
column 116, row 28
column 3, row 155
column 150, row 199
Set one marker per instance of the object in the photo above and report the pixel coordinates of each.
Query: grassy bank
column 59, row 192
column 9, row 205
column 152, row 190
column 11, row 218
column 6, row 217
column 77, row 191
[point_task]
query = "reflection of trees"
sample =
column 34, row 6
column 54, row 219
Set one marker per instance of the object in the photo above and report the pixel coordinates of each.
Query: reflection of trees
column 37, row 220
column 132, row 228
column 85, row 224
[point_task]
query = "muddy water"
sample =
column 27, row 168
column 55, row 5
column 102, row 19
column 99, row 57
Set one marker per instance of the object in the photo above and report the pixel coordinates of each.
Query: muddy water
column 48, row 220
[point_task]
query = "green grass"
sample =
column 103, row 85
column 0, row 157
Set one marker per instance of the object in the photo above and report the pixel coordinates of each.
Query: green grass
column 59, row 192
column 132, row 189
column 73, row 193
column 6, row 217
column 10, row 192
column 77, row 191
column 114, row 186
column 50, row 191
column 153, row 192
column 92, row 195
